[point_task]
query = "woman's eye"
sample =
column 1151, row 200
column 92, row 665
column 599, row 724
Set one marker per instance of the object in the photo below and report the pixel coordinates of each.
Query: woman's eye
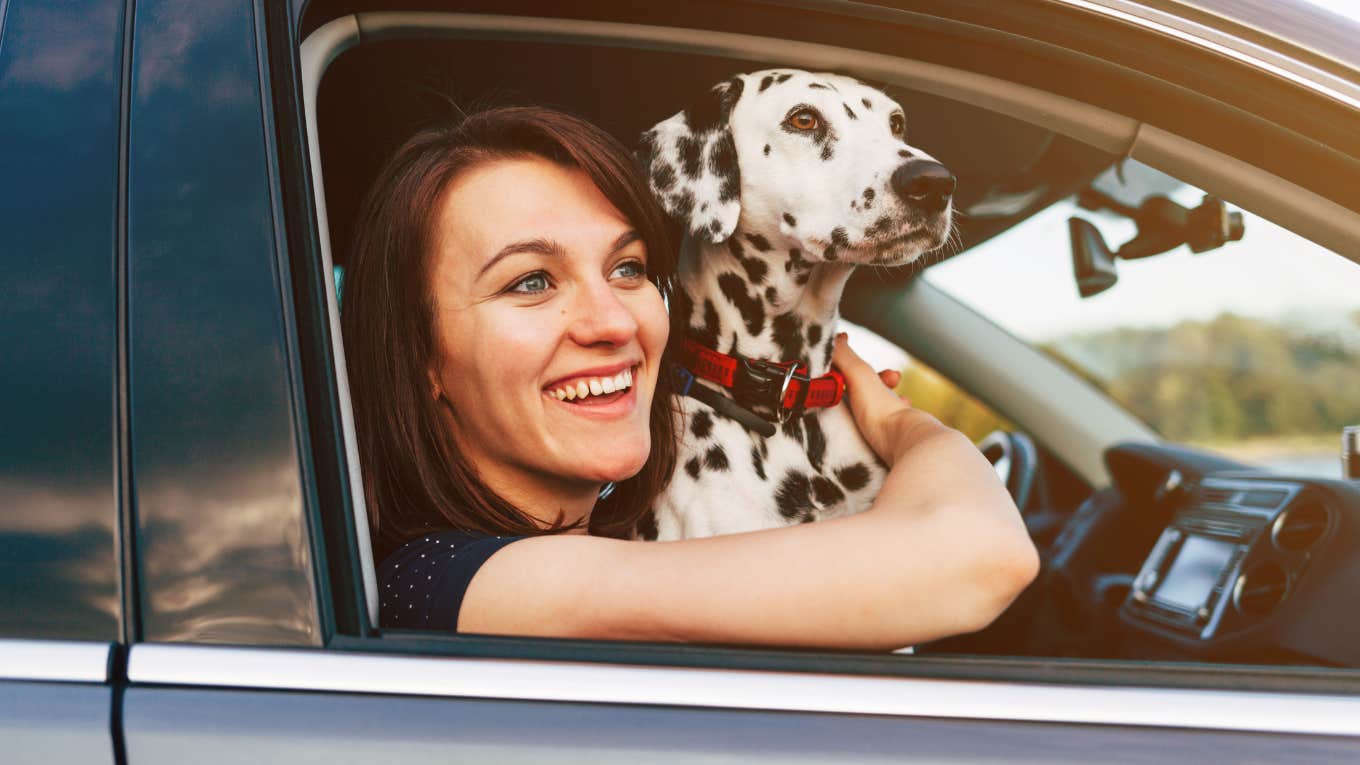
column 898, row 125
column 632, row 269
column 804, row 119
column 533, row 283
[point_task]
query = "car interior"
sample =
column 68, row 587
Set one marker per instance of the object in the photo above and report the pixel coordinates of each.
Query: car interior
column 1151, row 550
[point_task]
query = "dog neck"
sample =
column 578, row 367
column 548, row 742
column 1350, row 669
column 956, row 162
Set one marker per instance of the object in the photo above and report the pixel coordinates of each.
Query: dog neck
column 761, row 297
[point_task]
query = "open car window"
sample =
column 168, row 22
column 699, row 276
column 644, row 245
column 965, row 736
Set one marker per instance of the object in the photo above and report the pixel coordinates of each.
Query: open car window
column 1251, row 349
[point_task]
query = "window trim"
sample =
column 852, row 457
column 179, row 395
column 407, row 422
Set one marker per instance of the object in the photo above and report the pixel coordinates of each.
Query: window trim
column 1325, row 714
column 55, row 661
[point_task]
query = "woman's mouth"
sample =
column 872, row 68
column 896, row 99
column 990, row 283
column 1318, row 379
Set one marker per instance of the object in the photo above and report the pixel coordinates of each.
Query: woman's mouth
column 594, row 391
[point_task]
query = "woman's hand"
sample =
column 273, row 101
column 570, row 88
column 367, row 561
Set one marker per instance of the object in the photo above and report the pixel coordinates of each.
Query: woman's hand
column 887, row 421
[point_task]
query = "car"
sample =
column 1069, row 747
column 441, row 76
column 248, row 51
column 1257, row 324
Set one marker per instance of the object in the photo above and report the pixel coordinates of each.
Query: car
column 186, row 569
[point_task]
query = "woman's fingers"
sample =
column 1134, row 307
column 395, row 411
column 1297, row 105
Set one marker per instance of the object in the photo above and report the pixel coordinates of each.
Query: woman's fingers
column 872, row 401
column 890, row 377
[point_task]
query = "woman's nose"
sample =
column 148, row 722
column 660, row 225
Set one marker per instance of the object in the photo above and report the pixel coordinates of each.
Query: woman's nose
column 601, row 317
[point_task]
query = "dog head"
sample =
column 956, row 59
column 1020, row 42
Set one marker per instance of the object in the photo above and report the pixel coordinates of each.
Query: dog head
column 819, row 160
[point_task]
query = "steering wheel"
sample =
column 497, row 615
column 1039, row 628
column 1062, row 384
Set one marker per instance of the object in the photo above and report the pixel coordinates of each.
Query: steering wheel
column 1016, row 461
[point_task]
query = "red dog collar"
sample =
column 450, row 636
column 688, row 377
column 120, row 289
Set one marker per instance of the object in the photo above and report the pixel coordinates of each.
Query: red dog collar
column 782, row 386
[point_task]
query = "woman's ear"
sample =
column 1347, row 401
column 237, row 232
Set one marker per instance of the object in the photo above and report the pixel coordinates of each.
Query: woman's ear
column 436, row 390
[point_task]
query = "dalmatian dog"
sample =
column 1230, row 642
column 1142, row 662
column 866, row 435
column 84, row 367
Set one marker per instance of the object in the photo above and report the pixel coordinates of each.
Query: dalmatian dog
column 785, row 180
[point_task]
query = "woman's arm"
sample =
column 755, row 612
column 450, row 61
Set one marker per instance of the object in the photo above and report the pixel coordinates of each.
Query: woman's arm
column 941, row 551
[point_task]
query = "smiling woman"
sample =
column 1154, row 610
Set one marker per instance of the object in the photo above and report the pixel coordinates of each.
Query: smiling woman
column 450, row 301
column 506, row 333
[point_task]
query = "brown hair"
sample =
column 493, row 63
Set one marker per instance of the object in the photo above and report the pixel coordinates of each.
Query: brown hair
column 415, row 478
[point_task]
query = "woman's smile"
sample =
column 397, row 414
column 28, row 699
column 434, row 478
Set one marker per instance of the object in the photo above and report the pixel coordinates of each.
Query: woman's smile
column 606, row 392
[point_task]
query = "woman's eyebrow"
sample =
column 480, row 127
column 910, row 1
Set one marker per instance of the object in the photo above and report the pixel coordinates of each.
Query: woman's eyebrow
column 536, row 246
column 541, row 246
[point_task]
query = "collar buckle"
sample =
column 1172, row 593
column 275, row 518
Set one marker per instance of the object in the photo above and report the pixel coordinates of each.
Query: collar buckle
column 764, row 383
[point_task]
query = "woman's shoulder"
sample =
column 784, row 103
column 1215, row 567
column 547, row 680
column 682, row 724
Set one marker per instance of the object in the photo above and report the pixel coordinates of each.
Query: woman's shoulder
column 422, row 583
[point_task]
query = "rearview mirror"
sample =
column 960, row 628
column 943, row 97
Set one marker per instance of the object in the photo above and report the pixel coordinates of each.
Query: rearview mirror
column 1092, row 261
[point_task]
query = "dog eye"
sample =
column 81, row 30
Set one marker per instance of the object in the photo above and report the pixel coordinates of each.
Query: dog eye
column 898, row 125
column 804, row 119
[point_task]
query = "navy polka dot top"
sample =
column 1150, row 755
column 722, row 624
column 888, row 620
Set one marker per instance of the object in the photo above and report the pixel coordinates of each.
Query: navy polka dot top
column 421, row 585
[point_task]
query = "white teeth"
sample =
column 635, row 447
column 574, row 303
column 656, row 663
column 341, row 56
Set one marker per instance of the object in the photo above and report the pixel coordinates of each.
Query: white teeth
column 598, row 386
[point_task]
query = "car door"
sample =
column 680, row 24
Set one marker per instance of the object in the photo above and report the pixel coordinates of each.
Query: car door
column 60, row 597
column 254, row 637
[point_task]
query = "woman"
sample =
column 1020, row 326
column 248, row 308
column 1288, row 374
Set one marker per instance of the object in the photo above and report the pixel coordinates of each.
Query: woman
column 505, row 333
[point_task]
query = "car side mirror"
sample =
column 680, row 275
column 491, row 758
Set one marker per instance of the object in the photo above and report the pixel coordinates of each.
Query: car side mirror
column 1092, row 261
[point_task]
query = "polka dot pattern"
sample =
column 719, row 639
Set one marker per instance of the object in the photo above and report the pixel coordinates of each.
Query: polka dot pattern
column 421, row 585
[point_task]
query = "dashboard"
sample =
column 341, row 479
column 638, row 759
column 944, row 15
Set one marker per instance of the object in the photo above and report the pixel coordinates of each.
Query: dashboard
column 1189, row 556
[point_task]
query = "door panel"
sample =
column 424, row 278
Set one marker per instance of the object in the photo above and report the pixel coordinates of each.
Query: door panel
column 43, row 723
column 208, row 726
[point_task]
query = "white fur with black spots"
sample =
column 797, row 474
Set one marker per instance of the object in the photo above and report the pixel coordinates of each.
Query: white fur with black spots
column 785, row 180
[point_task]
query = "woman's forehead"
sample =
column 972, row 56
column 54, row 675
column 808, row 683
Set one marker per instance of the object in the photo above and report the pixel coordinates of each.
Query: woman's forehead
column 505, row 201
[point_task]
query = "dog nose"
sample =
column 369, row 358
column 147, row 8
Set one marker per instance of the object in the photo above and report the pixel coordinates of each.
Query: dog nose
column 924, row 183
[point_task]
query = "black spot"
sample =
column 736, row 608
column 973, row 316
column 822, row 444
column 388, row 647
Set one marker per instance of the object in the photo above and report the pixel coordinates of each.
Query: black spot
column 703, row 207
column 789, row 219
column 691, row 150
column 682, row 204
column 692, row 467
column 827, row 152
column 830, row 254
column 794, row 495
column 788, row 335
column 820, row 86
column 722, row 162
column 839, row 237
column 663, row 176
column 733, row 347
column 827, row 493
column 767, row 150
column 646, row 525
column 684, row 306
column 707, row 335
column 759, row 242
column 734, row 247
column 756, row 269
column 715, row 226
column 868, row 195
column 793, row 428
column 802, row 278
column 714, row 107
column 880, row 226
column 702, row 425
column 905, row 153
column 771, row 295
column 765, row 82
column 850, row 113
column 867, row 104
column 853, row 477
column 797, row 261
column 752, row 313
column 826, row 360
column 816, row 442
column 757, row 463
column 814, row 334
column 716, row 459
column 783, row 78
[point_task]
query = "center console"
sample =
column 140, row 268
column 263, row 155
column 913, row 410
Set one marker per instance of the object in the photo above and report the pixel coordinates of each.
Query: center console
column 1228, row 561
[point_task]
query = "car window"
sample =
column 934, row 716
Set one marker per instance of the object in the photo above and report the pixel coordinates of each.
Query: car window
column 1251, row 349
column 58, row 180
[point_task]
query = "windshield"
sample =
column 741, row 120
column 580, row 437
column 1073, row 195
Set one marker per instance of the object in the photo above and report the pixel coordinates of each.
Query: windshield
column 1252, row 350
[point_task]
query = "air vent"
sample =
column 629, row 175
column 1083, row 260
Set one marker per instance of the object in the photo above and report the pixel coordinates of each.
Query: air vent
column 1217, row 495
column 1300, row 526
column 1260, row 589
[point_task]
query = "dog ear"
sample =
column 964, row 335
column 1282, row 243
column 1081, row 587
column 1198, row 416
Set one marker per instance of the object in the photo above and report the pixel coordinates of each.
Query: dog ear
column 691, row 163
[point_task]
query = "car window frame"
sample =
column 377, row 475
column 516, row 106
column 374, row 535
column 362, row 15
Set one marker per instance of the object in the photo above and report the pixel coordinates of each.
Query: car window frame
column 362, row 637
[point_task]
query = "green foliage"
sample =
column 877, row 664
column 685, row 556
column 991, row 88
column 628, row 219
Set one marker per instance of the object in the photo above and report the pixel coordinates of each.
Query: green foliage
column 929, row 391
column 1229, row 378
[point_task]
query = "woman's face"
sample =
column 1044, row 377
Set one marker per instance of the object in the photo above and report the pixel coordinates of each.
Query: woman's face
column 542, row 307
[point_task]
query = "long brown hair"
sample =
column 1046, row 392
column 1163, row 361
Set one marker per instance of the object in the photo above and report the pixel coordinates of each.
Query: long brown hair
column 415, row 478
